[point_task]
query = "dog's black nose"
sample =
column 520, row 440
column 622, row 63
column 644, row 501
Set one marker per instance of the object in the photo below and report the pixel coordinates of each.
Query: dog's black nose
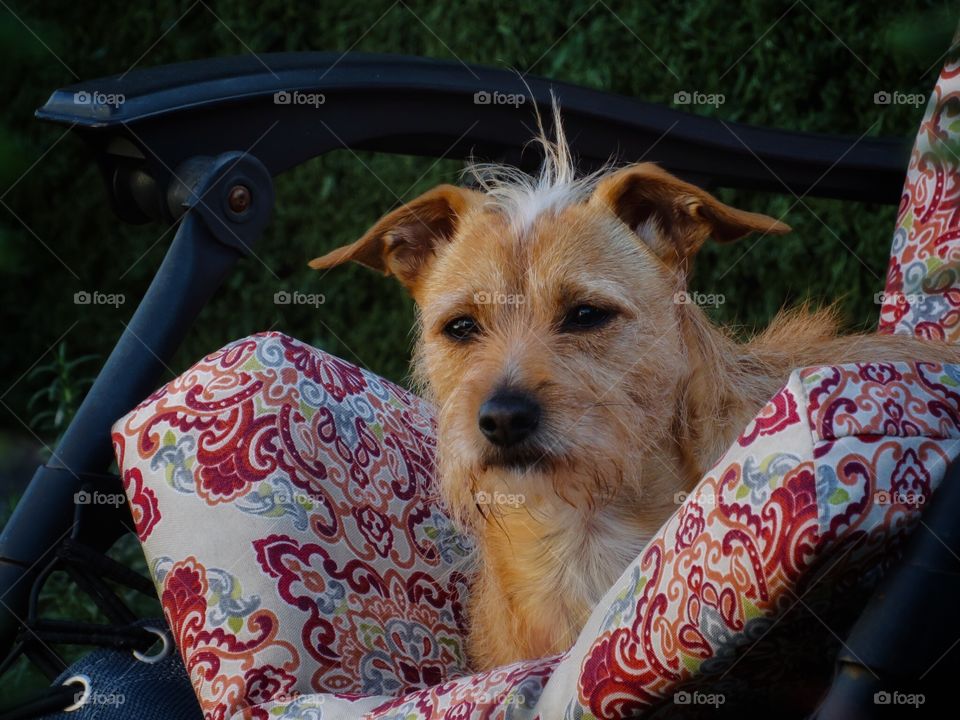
column 507, row 417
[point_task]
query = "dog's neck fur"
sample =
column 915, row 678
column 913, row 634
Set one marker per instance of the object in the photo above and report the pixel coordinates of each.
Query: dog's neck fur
column 729, row 381
column 549, row 570
column 727, row 384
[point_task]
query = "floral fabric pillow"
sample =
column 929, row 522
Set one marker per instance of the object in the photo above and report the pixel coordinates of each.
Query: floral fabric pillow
column 284, row 500
column 922, row 295
column 285, row 504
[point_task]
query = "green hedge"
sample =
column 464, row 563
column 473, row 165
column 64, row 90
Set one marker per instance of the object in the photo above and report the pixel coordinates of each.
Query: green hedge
column 807, row 66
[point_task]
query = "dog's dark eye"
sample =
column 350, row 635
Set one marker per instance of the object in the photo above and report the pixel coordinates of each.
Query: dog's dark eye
column 585, row 317
column 461, row 329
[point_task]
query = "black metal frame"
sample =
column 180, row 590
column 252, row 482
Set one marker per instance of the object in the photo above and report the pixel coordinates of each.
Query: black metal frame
column 198, row 143
column 903, row 639
column 216, row 229
column 418, row 106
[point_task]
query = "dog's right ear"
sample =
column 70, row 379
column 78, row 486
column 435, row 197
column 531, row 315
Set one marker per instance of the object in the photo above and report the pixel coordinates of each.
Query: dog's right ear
column 402, row 242
column 674, row 217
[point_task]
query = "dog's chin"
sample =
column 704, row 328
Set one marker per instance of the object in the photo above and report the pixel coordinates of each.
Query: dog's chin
column 522, row 460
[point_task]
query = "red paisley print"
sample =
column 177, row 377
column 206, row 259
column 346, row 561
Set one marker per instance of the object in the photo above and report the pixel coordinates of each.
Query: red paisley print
column 321, row 563
column 775, row 416
column 143, row 503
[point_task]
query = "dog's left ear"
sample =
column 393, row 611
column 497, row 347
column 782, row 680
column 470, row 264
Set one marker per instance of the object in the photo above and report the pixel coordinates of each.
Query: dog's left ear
column 402, row 242
column 674, row 217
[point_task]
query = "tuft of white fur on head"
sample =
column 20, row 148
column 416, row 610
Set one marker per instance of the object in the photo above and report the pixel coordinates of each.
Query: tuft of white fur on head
column 521, row 197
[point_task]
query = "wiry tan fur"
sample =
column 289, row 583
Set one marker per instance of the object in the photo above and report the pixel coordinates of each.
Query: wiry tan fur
column 634, row 411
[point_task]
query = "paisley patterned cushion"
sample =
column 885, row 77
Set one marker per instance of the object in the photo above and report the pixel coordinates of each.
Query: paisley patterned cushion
column 284, row 499
column 923, row 280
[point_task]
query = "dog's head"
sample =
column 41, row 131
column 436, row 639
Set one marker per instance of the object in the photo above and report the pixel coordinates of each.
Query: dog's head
column 551, row 313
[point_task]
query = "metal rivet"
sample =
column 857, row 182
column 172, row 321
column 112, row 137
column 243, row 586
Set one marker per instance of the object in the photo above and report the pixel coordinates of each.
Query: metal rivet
column 239, row 198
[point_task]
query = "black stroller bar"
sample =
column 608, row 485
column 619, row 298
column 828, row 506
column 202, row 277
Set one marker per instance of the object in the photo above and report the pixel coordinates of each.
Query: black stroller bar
column 215, row 231
column 292, row 107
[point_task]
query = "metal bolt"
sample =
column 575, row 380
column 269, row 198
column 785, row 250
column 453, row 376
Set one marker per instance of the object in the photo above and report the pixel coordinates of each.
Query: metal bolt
column 239, row 198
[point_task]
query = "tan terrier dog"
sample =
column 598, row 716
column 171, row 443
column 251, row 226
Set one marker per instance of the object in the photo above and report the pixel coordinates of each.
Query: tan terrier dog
column 577, row 393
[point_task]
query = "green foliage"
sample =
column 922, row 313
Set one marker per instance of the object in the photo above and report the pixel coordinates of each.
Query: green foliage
column 809, row 66
column 53, row 406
